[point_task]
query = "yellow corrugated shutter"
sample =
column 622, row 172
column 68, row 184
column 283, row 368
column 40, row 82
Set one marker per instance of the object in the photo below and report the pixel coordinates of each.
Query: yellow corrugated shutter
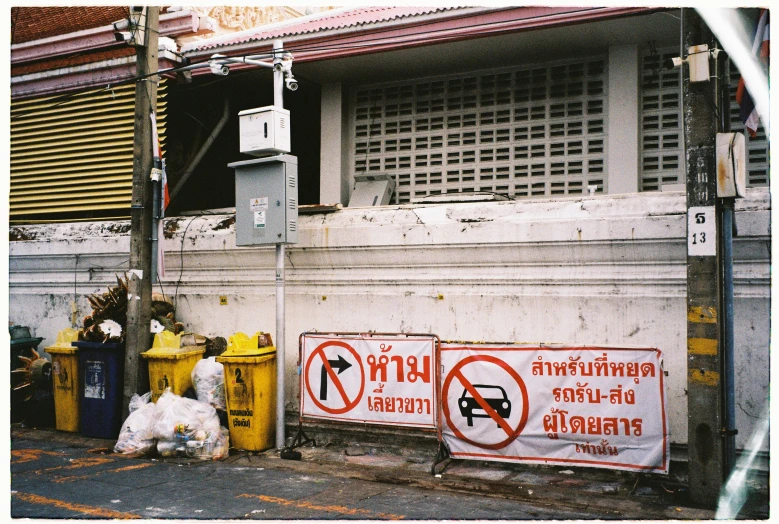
column 74, row 160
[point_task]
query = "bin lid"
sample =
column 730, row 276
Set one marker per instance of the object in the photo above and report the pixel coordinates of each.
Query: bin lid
column 26, row 342
column 167, row 340
column 84, row 344
column 173, row 353
column 63, row 344
column 241, row 345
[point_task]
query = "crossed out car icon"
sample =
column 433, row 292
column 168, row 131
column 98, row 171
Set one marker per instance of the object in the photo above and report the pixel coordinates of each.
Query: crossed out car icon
column 494, row 395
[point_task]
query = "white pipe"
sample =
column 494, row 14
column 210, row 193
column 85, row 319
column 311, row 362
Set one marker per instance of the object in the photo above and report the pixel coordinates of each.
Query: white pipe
column 281, row 361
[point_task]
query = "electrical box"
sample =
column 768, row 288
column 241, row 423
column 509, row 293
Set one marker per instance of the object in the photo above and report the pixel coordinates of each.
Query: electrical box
column 372, row 190
column 731, row 165
column 698, row 61
column 266, row 201
column 264, row 131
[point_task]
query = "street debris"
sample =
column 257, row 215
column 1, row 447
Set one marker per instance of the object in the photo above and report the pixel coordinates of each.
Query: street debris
column 209, row 382
column 566, row 472
column 174, row 426
column 108, row 321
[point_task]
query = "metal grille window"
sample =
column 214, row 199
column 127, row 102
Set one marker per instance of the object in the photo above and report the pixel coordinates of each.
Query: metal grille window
column 662, row 151
column 74, row 160
column 528, row 132
column 662, row 135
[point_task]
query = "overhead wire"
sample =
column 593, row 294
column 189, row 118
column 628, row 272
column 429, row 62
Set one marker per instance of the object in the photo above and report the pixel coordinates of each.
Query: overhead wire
column 293, row 48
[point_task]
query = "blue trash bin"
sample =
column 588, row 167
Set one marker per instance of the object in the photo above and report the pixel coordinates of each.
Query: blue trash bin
column 102, row 388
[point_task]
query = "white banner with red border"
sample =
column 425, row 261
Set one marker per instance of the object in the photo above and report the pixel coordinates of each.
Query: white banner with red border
column 584, row 406
column 371, row 378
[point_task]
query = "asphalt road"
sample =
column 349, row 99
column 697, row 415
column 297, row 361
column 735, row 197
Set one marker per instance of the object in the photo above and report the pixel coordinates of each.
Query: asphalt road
column 55, row 480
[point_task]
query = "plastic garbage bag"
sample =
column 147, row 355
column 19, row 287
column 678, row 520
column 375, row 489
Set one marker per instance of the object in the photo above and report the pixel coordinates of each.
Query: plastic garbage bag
column 209, row 382
column 138, row 401
column 168, row 448
column 179, row 418
column 136, row 435
column 209, row 446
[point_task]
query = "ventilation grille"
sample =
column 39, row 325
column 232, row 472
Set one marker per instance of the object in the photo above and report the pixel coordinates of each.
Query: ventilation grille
column 663, row 134
column 75, row 160
column 521, row 133
column 662, row 138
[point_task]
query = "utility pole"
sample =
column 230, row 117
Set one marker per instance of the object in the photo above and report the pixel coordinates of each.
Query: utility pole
column 278, row 101
column 138, row 336
column 704, row 348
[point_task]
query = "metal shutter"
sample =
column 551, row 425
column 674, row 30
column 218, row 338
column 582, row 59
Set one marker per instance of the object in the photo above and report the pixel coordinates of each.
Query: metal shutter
column 757, row 148
column 522, row 132
column 662, row 136
column 74, row 160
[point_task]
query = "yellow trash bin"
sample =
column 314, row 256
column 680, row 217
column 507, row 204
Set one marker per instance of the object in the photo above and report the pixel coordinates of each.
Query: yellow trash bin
column 250, row 391
column 67, row 412
column 170, row 366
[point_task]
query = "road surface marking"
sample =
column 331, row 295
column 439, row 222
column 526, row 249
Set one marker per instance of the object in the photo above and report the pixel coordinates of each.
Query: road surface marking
column 117, row 470
column 20, row 456
column 92, row 511
column 302, row 504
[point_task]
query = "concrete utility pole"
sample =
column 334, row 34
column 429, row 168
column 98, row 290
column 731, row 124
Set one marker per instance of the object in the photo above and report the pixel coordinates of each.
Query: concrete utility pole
column 138, row 337
column 704, row 348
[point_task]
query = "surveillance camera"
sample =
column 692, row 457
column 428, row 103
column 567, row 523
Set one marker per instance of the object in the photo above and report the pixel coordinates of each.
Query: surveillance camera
column 219, row 69
column 674, row 62
column 123, row 36
column 278, row 67
column 292, row 84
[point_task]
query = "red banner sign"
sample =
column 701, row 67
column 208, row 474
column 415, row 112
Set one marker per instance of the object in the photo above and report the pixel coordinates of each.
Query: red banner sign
column 374, row 379
column 586, row 406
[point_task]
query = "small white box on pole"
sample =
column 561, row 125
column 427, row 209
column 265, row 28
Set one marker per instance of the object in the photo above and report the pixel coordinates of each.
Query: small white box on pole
column 264, row 131
column 731, row 165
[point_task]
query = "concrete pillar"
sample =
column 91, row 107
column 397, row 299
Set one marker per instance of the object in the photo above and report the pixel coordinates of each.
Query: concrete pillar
column 624, row 142
column 334, row 155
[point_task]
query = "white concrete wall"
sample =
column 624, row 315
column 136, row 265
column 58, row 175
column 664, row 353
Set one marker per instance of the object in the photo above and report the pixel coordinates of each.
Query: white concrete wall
column 596, row 270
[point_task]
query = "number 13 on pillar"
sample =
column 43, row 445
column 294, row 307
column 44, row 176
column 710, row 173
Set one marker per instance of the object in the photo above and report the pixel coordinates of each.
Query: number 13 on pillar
column 701, row 231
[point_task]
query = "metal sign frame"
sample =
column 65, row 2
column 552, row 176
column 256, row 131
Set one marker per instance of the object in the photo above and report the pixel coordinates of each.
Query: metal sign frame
column 299, row 440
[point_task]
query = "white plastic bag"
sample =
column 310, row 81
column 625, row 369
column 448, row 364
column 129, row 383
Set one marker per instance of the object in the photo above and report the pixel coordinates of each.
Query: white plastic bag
column 209, row 382
column 138, row 401
column 179, row 418
column 209, row 446
column 136, row 435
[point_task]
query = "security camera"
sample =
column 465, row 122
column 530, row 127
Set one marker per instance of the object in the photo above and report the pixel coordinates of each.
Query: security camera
column 278, row 67
column 673, row 63
column 219, row 69
column 123, row 36
column 292, row 84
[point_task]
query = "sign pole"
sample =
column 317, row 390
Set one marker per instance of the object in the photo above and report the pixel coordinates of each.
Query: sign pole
column 278, row 101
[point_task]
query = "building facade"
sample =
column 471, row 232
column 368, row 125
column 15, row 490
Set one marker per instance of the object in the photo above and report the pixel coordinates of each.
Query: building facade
column 538, row 161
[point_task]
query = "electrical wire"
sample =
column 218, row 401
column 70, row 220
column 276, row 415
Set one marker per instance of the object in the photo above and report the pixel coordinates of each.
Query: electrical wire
column 181, row 261
column 302, row 48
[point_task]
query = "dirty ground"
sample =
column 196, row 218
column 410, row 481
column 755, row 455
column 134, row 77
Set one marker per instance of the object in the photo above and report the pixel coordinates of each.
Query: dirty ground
column 61, row 475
